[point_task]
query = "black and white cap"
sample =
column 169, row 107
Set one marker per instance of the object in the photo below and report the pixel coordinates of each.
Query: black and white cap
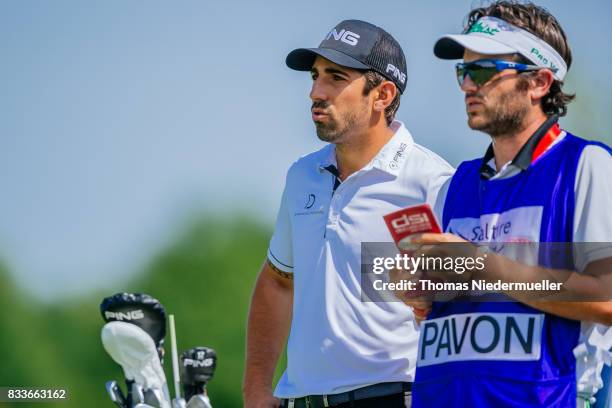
column 359, row 45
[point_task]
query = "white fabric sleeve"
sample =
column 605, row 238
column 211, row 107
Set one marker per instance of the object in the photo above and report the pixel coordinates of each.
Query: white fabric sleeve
column 439, row 197
column 280, row 251
column 593, row 195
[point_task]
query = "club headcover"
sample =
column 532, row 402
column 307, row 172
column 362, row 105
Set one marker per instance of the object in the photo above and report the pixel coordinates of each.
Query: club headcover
column 198, row 365
column 134, row 350
column 139, row 309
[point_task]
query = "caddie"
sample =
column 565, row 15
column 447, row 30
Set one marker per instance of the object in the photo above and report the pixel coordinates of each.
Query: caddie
column 535, row 183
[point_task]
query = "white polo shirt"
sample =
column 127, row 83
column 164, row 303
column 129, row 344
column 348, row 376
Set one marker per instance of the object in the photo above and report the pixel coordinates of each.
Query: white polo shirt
column 337, row 342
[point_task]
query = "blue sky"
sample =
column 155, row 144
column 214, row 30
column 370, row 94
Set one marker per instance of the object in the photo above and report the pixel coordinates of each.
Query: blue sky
column 120, row 119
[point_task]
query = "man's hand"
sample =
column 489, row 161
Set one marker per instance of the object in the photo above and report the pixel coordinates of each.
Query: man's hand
column 470, row 260
column 260, row 398
column 592, row 286
column 433, row 245
column 421, row 306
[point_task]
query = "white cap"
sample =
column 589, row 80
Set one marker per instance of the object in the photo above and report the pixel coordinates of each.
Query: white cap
column 492, row 36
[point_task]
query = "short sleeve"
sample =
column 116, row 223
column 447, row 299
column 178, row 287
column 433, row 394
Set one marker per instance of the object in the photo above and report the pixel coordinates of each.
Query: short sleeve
column 593, row 195
column 437, row 188
column 438, row 196
column 280, row 251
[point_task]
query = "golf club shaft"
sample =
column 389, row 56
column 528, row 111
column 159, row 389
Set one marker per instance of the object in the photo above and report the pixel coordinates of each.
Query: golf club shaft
column 175, row 364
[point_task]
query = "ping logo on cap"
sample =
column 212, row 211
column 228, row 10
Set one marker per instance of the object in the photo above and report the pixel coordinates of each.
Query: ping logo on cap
column 345, row 36
column 396, row 73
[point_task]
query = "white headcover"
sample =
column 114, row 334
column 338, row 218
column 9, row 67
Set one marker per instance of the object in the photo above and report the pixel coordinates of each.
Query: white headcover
column 134, row 350
column 491, row 35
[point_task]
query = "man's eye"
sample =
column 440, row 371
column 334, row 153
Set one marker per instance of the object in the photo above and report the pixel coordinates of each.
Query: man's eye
column 338, row 78
column 313, row 75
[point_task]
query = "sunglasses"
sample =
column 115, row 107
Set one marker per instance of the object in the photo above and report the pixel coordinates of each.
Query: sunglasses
column 483, row 70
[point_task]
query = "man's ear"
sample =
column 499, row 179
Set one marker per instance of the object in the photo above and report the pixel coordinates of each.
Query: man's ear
column 386, row 92
column 541, row 83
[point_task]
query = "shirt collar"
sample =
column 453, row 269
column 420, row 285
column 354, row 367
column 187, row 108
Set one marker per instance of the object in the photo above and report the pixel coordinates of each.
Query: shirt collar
column 525, row 156
column 389, row 159
column 328, row 158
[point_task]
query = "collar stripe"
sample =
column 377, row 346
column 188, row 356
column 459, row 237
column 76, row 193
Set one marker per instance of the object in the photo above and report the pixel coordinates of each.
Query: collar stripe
column 531, row 150
column 548, row 139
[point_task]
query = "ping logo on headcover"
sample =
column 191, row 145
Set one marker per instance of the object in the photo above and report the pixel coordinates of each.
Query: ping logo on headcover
column 129, row 315
column 396, row 73
column 207, row 362
column 345, row 36
column 481, row 336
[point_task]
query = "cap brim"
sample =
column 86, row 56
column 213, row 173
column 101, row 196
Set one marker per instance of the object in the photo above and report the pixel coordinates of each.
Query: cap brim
column 452, row 46
column 302, row 59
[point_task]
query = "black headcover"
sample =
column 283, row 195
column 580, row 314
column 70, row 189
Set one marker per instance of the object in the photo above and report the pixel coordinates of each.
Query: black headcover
column 198, row 365
column 138, row 308
column 197, row 368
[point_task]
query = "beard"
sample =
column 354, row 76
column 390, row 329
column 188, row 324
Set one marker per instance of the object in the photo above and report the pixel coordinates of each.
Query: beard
column 335, row 128
column 503, row 116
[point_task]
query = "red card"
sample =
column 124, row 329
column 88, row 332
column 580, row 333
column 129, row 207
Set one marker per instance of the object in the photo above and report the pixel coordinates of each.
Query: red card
column 410, row 221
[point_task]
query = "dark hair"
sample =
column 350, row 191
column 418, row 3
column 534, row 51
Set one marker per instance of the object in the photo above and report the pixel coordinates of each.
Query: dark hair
column 373, row 79
column 539, row 22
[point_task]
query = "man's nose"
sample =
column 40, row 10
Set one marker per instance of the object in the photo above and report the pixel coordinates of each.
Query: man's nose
column 468, row 86
column 317, row 91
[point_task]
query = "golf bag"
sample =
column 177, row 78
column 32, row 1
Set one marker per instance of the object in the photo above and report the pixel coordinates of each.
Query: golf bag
column 134, row 338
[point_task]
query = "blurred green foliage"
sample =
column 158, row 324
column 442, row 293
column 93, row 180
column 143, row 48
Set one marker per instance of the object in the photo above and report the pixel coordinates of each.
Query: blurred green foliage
column 205, row 278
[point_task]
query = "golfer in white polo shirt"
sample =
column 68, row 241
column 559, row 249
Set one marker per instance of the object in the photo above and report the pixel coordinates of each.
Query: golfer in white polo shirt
column 342, row 352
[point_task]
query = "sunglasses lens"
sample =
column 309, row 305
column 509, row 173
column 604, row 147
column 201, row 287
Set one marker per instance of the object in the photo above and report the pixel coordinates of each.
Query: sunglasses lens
column 479, row 74
column 460, row 75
